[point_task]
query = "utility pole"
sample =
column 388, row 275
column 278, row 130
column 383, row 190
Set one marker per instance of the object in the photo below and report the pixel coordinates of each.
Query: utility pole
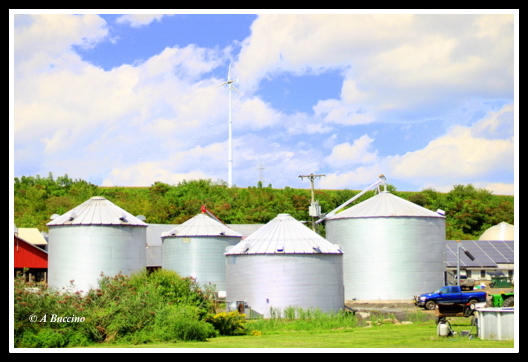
column 314, row 210
column 261, row 168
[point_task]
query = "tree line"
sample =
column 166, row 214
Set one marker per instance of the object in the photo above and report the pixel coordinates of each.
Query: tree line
column 469, row 211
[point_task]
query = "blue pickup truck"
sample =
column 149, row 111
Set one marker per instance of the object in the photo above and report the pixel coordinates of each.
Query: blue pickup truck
column 449, row 294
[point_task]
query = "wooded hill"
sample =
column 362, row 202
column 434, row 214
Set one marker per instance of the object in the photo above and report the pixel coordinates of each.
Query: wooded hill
column 469, row 211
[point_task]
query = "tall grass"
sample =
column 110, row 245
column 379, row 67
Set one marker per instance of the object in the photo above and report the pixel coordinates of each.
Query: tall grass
column 299, row 319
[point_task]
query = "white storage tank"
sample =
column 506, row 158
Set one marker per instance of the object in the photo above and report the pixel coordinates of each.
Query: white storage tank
column 93, row 238
column 496, row 323
column 196, row 249
column 502, row 231
column 394, row 249
column 285, row 264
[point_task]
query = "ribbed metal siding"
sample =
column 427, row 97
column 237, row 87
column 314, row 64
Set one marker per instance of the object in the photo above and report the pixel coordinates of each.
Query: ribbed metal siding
column 199, row 257
column 284, row 280
column 82, row 252
column 390, row 257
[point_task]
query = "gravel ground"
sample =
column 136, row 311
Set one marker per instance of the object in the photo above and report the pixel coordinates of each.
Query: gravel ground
column 400, row 310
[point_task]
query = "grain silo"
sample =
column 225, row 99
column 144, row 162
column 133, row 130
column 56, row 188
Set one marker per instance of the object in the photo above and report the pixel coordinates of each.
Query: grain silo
column 93, row 238
column 394, row 249
column 285, row 264
column 196, row 249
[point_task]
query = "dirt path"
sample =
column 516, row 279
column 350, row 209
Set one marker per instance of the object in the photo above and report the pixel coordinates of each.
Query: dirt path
column 401, row 310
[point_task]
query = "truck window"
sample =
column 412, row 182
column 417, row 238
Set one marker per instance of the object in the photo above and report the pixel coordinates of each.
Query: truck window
column 445, row 290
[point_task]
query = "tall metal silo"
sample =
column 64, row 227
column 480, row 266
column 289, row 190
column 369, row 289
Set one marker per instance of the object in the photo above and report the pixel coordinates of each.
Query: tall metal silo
column 93, row 238
column 285, row 264
column 394, row 249
column 196, row 249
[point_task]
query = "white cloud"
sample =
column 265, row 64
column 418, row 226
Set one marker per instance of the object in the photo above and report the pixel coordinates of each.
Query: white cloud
column 496, row 125
column 456, row 155
column 252, row 113
column 359, row 178
column 41, row 38
column 497, row 188
column 161, row 114
column 392, row 61
column 462, row 155
column 335, row 111
column 138, row 20
column 78, row 114
column 146, row 174
column 188, row 165
column 345, row 154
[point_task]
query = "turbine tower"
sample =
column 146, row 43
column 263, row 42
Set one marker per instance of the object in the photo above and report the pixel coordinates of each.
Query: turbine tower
column 231, row 87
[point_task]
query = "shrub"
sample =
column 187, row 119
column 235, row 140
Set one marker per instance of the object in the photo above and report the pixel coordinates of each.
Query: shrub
column 229, row 324
column 141, row 308
column 46, row 338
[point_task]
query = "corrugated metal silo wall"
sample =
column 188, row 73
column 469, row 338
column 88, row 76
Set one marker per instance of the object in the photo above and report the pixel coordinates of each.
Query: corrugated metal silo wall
column 82, row 252
column 282, row 280
column 199, row 257
column 387, row 258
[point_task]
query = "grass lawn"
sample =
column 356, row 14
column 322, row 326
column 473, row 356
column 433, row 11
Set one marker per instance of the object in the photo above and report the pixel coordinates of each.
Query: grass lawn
column 422, row 335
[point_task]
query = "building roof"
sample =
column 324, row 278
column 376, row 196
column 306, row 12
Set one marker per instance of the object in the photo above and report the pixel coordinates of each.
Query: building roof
column 97, row 211
column 201, row 225
column 284, row 235
column 27, row 255
column 385, row 204
column 501, row 231
column 487, row 253
column 31, row 235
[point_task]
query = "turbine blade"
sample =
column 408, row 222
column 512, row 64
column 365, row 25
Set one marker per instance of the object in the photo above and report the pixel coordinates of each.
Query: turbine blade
column 233, row 87
column 221, row 84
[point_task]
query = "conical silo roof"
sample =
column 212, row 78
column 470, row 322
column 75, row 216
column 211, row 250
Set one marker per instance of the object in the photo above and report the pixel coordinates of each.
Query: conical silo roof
column 201, row 225
column 385, row 204
column 502, row 231
column 97, row 211
column 284, row 235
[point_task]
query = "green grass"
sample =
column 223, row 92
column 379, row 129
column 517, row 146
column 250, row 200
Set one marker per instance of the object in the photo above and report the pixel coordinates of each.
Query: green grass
column 419, row 335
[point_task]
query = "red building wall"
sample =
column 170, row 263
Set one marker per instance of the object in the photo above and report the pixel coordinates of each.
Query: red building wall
column 29, row 256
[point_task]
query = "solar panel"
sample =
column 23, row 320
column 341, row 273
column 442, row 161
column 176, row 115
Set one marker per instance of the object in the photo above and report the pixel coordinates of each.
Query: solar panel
column 486, row 253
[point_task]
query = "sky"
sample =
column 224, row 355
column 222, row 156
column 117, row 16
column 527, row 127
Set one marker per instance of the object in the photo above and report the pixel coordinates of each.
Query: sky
column 130, row 99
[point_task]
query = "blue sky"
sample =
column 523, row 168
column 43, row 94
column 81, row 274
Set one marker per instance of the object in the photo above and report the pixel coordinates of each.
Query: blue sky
column 130, row 99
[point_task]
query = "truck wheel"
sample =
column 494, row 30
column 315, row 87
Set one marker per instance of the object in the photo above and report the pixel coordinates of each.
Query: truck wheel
column 430, row 305
column 508, row 302
column 472, row 301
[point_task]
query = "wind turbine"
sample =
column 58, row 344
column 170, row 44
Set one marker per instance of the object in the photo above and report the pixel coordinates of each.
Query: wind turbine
column 231, row 87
